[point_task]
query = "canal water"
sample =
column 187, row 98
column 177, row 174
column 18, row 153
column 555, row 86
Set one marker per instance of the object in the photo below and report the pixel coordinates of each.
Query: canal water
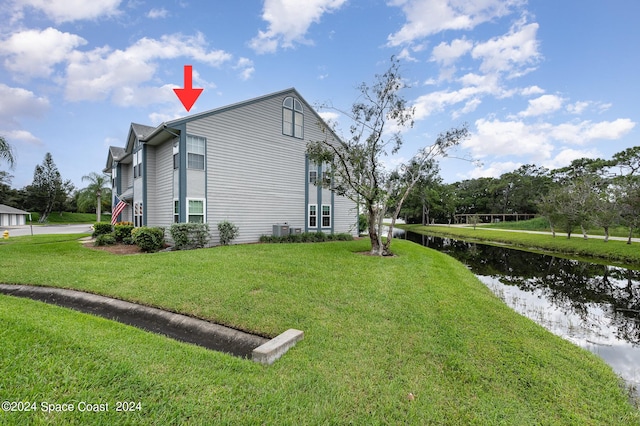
column 595, row 306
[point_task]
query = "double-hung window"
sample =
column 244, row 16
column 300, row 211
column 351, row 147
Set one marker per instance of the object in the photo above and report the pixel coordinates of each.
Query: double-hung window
column 195, row 210
column 313, row 216
column 176, row 211
column 292, row 117
column 195, row 152
column 176, row 157
column 137, row 164
column 326, row 216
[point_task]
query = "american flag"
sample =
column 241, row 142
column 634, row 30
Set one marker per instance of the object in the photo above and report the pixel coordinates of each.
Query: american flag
column 120, row 205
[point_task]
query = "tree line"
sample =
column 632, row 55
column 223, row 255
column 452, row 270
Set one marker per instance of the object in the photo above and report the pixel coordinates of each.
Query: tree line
column 49, row 192
column 587, row 193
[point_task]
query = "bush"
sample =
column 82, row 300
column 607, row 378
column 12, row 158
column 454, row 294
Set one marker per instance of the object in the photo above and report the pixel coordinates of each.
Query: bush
column 306, row 237
column 101, row 228
column 189, row 235
column 149, row 239
column 363, row 223
column 228, row 232
column 122, row 231
column 105, row 240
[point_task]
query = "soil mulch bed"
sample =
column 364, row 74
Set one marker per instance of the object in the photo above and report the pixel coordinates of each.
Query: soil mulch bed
column 114, row 249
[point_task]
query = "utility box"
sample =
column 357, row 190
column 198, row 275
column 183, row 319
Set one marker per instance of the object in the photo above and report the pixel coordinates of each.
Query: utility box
column 295, row 231
column 280, row 230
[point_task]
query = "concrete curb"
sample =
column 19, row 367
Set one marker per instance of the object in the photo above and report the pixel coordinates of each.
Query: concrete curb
column 268, row 353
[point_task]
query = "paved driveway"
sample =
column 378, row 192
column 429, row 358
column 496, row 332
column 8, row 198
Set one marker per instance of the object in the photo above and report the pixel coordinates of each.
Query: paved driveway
column 17, row 231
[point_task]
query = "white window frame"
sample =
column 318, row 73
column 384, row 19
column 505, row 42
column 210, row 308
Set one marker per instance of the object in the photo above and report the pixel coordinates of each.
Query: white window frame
column 314, row 216
column 204, row 210
column 313, row 177
column 194, row 150
column 137, row 214
column 176, row 210
column 176, row 157
column 322, row 216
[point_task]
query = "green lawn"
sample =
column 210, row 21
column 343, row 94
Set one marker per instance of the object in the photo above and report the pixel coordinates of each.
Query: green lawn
column 541, row 224
column 375, row 330
column 69, row 218
column 611, row 251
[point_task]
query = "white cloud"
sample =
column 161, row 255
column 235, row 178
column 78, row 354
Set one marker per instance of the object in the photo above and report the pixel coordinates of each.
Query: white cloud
column 567, row 155
column 504, row 138
column 24, row 137
column 427, row 17
column 158, row 13
column 578, row 107
column 71, row 10
column 289, row 21
column 532, row 90
column 447, row 53
column 246, row 68
column 20, row 102
column 587, row 131
column 512, row 54
column 494, row 170
column 34, row 53
column 545, row 104
column 102, row 73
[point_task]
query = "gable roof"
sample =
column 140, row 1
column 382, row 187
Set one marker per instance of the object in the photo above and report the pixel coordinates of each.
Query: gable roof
column 151, row 135
column 11, row 210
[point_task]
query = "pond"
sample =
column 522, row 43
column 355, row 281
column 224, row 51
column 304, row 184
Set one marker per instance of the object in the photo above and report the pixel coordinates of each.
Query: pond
column 595, row 306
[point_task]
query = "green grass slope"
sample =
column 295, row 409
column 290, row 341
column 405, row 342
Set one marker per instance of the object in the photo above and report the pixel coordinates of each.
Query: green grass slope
column 375, row 331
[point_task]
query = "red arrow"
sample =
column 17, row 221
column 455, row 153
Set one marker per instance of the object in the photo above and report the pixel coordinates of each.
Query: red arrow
column 188, row 96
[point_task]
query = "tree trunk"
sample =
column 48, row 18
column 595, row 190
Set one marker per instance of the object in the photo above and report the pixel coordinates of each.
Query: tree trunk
column 630, row 233
column 375, row 232
column 584, row 232
column 606, row 234
column 99, row 208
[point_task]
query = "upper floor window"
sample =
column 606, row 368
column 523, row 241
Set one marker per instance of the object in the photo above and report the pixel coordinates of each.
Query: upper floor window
column 292, row 117
column 137, row 163
column 176, row 157
column 195, row 152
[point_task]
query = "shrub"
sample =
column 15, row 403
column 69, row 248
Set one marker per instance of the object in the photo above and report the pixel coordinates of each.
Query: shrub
column 306, row 237
column 105, row 240
column 128, row 241
column 122, row 230
column 189, row 235
column 149, row 239
column 363, row 223
column 101, row 228
column 228, row 232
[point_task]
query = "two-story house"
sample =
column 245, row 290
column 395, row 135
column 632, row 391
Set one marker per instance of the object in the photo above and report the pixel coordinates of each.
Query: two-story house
column 245, row 163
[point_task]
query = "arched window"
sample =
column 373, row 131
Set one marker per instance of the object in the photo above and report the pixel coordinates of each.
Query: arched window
column 292, row 117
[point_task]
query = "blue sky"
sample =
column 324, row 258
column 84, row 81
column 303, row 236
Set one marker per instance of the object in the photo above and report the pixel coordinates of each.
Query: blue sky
column 541, row 82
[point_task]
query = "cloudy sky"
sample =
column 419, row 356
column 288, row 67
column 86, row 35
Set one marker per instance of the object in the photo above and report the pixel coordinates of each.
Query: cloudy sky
column 538, row 82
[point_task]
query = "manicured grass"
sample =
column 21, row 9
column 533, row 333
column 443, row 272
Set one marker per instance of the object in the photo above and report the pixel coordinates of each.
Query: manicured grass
column 68, row 218
column 541, row 224
column 611, row 251
column 375, row 330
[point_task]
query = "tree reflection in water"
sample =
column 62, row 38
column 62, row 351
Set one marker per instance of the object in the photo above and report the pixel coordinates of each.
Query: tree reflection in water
column 595, row 306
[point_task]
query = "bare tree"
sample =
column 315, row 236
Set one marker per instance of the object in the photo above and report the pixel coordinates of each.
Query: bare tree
column 358, row 172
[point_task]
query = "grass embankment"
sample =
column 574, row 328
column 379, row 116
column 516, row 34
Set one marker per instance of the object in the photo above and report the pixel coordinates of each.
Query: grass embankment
column 66, row 218
column 611, row 251
column 541, row 224
column 375, row 330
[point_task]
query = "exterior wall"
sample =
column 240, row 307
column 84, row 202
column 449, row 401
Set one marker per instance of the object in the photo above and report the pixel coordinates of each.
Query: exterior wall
column 255, row 174
column 10, row 219
column 160, row 185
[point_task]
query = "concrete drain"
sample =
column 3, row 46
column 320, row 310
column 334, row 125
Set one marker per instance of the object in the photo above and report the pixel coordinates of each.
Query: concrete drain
column 177, row 326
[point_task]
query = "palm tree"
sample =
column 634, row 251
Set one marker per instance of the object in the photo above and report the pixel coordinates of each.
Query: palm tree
column 6, row 152
column 98, row 183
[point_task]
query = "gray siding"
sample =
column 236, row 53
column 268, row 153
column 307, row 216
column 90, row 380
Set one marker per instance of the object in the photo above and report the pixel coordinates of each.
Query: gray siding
column 255, row 174
column 160, row 184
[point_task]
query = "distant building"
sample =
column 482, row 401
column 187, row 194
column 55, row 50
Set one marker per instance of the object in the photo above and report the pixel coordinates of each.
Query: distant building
column 245, row 163
column 10, row 216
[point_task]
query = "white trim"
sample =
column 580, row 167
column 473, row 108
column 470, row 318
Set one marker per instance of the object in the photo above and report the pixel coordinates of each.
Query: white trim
column 204, row 208
column 309, row 216
column 322, row 216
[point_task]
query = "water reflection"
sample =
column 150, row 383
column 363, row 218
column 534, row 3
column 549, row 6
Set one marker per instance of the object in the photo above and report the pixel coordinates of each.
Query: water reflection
column 595, row 306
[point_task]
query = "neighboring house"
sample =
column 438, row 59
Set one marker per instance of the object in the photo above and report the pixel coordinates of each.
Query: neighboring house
column 10, row 216
column 245, row 163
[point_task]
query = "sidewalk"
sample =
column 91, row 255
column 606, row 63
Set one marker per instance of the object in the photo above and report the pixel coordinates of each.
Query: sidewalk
column 558, row 234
